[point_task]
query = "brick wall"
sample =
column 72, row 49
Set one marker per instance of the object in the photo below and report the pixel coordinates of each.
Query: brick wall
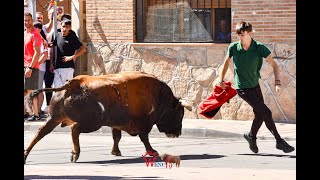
column 272, row 20
column 110, row 21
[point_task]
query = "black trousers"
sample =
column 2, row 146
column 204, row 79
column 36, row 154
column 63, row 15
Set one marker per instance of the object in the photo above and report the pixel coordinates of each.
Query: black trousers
column 262, row 113
column 48, row 81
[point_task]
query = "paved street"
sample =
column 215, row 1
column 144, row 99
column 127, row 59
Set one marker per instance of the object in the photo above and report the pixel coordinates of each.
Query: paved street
column 204, row 158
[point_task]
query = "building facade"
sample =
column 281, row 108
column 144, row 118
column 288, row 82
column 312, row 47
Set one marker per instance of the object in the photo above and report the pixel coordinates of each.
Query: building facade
column 175, row 40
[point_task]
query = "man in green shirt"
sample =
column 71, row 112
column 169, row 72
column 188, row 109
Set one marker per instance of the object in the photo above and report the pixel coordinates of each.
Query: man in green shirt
column 248, row 57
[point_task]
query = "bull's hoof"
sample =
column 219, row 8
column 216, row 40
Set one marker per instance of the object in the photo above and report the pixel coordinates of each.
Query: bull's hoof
column 116, row 153
column 156, row 152
column 153, row 153
column 74, row 158
column 25, row 158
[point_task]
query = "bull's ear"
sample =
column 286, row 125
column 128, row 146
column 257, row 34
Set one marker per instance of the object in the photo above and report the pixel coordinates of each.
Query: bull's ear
column 187, row 104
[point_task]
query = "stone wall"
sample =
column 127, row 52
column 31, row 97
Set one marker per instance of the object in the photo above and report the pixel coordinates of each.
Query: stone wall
column 191, row 71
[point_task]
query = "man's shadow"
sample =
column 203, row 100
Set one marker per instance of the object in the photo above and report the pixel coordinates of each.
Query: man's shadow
column 268, row 155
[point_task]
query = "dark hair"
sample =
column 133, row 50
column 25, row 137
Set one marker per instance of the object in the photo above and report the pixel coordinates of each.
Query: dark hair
column 37, row 24
column 66, row 22
column 243, row 26
column 65, row 16
column 43, row 35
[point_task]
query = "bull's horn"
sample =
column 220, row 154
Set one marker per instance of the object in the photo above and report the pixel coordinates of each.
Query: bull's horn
column 187, row 104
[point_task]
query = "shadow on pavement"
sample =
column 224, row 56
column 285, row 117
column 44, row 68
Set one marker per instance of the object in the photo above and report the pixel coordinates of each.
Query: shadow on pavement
column 265, row 154
column 203, row 156
column 34, row 177
column 140, row 160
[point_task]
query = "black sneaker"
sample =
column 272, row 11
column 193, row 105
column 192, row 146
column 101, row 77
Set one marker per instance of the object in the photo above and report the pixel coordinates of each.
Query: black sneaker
column 252, row 142
column 26, row 116
column 43, row 116
column 284, row 146
column 33, row 118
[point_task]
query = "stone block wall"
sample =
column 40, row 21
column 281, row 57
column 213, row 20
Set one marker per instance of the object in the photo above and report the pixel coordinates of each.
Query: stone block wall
column 191, row 71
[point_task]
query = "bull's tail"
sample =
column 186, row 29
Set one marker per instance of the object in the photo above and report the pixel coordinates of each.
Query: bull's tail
column 28, row 100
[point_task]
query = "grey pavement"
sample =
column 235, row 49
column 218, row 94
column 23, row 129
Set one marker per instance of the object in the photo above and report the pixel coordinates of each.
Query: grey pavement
column 36, row 172
column 191, row 128
column 206, row 128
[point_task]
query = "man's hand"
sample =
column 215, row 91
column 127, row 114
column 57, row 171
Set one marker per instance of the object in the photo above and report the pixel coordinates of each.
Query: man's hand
column 51, row 68
column 222, row 84
column 278, row 85
column 68, row 58
column 50, row 45
column 28, row 72
column 278, row 88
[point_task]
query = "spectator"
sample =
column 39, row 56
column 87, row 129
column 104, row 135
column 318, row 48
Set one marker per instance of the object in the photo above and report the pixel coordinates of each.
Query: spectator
column 42, row 64
column 65, row 17
column 47, row 28
column 39, row 17
column 223, row 34
column 48, row 75
column 32, row 43
column 68, row 48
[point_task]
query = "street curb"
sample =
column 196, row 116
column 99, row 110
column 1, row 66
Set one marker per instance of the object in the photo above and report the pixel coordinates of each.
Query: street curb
column 105, row 130
column 186, row 132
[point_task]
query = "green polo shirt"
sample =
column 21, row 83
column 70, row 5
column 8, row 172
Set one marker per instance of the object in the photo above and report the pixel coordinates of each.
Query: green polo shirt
column 247, row 63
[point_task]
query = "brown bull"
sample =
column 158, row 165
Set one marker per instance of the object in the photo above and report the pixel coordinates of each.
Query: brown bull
column 131, row 101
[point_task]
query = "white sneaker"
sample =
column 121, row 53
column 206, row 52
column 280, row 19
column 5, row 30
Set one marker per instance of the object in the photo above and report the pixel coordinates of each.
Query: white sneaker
column 46, row 109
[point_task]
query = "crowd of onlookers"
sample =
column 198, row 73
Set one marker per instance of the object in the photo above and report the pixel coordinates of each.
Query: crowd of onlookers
column 49, row 58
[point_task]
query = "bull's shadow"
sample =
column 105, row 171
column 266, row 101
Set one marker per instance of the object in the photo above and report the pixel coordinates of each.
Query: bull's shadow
column 140, row 160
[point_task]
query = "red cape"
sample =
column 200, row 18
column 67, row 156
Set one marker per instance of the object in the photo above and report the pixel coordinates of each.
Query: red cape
column 210, row 106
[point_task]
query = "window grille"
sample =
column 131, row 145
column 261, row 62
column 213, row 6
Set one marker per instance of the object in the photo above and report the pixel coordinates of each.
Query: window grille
column 174, row 21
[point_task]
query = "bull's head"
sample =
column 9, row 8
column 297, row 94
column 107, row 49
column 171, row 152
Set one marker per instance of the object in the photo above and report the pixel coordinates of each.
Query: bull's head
column 171, row 119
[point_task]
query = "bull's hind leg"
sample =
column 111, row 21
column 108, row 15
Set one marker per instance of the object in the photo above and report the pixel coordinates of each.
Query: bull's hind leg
column 75, row 132
column 145, row 139
column 43, row 131
column 116, row 135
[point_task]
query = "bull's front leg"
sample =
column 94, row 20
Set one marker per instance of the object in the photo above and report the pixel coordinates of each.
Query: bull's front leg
column 116, row 135
column 75, row 132
column 145, row 139
column 43, row 130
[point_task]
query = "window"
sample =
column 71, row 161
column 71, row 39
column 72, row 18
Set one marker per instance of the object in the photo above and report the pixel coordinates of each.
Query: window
column 175, row 21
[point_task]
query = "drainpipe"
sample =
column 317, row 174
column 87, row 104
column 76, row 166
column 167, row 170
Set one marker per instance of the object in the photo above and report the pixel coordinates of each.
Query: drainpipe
column 54, row 3
column 32, row 8
column 55, row 32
